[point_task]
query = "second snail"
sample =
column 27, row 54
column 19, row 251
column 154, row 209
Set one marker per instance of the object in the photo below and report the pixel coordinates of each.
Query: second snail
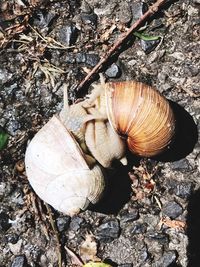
column 65, row 161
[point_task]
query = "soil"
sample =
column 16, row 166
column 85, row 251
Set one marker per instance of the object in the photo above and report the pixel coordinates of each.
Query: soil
column 150, row 213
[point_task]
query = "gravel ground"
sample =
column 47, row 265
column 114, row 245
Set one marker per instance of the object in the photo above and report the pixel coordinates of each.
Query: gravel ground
column 150, row 214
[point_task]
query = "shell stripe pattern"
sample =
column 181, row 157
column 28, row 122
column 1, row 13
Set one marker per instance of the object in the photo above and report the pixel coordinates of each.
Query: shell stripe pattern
column 142, row 115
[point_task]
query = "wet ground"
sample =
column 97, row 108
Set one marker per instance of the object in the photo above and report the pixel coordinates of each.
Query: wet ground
column 150, row 213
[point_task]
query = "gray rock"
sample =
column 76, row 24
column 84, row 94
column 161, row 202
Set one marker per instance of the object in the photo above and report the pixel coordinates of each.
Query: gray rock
column 63, row 223
column 172, row 209
column 92, row 59
column 19, row 261
column 4, row 222
column 167, row 259
column 182, row 164
column 12, row 238
column 81, row 58
column 76, row 223
column 139, row 228
column 108, row 230
column 89, row 18
column 180, row 188
column 129, row 217
column 149, row 46
column 124, row 14
column 4, row 76
column 113, row 71
column 160, row 237
column 138, row 9
column 68, row 34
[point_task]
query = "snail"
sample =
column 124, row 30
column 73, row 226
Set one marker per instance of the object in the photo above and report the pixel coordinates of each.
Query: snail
column 59, row 166
column 138, row 113
column 65, row 160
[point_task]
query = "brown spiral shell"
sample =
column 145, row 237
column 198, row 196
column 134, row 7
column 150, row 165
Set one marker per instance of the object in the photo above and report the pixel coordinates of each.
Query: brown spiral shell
column 142, row 115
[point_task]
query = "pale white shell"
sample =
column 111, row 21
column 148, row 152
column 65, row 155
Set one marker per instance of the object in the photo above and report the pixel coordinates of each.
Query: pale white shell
column 58, row 172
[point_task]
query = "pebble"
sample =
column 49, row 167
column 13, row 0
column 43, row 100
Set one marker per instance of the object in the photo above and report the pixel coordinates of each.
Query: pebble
column 89, row 18
column 148, row 46
column 138, row 9
column 181, row 165
column 113, row 71
column 12, row 238
column 172, row 209
column 87, row 14
column 129, row 217
column 19, row 261
column 108, row 230
column 42, row 20
column 181, row 189
column 139, row 228
column 63, row 223
column 89, row 59
column 4, row 222
column 124, row 15
column 76, row 223
column 160, row 237
column 4, row 76
column 68, row 34
column 168, row 258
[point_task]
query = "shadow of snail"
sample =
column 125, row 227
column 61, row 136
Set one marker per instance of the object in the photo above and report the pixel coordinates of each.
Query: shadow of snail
column 68, row 160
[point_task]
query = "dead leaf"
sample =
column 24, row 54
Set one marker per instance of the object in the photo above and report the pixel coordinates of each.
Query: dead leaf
column 176, row 224
column 88, row 249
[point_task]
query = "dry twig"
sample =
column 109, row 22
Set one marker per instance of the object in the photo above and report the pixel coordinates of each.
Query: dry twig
column 123, row 37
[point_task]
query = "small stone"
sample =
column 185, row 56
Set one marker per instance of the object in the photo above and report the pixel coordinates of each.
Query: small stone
column 113, row 71
column 181, row 189
column 63, row 223
column 181, row 165
column 89, row 18
column 80, row 58
column 172, row 209
column 150, row 45
column 160, row 237
column 4, row 222
column 167, row 259
column 76, row 223
column 4, row 76
column 12, row 238
column 139, row 228
column 68, row 34
column 109, row 230
column 92, row 59
column 138, row 9
column 129, row 217
column 124, row 15
column 19, row 261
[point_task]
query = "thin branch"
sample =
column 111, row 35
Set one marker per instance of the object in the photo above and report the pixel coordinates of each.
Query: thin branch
column 152, row 10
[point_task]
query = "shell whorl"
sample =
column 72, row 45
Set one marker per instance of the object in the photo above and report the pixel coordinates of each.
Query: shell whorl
column 142, row 115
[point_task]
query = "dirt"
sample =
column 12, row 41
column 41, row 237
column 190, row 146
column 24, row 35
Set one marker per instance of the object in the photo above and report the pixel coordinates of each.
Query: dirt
column 150, row 214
